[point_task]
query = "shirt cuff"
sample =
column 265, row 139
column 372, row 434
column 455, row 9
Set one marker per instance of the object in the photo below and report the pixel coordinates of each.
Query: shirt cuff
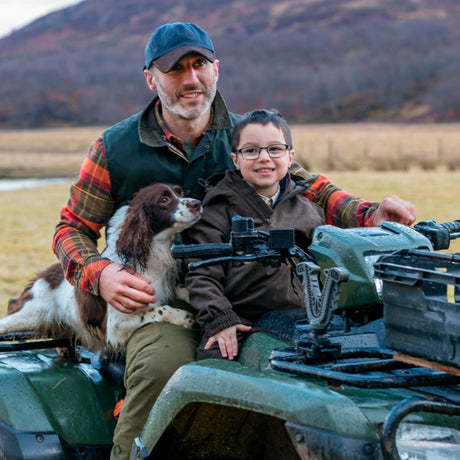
column 91, row 274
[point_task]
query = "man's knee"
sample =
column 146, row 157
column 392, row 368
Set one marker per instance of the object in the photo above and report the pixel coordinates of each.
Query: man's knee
column 156, row 350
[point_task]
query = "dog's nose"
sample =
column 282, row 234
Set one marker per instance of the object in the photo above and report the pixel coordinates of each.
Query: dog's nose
column 194, row 205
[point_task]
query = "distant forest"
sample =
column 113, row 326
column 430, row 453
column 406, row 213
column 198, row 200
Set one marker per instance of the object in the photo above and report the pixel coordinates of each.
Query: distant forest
column 315, row 61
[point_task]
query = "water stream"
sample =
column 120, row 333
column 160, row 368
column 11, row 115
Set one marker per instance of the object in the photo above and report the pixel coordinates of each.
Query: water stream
column 7, row 185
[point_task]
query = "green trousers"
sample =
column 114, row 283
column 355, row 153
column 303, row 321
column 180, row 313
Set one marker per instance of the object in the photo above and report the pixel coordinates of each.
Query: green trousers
column 154, row 352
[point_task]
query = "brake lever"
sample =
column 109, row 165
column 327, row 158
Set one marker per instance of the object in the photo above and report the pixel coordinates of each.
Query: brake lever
column 269, row 258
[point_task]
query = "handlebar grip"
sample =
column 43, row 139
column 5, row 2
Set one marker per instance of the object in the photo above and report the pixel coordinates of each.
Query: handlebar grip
column 191, row 251
column 452, row 227
column 440, row 235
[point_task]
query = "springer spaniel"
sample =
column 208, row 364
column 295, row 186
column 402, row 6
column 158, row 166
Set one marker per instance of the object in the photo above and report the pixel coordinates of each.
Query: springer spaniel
column 139, row 237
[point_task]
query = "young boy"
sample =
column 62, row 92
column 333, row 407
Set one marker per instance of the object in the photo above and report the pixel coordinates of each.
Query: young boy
column 229, row 299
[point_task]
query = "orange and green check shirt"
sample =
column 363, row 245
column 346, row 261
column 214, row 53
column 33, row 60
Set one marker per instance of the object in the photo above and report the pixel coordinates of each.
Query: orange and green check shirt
column 92, row 204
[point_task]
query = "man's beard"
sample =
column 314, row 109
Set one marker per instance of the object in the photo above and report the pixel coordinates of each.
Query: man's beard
column 174, row 105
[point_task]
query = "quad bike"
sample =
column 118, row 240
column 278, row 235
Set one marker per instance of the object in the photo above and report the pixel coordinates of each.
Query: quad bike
column 370, row 369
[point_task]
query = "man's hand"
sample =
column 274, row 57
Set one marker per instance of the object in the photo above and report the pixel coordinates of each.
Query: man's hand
column 124, row 290
column 228, row 343
column 395, row 209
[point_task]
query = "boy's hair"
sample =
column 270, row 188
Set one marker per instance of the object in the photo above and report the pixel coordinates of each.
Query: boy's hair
column 261, row 117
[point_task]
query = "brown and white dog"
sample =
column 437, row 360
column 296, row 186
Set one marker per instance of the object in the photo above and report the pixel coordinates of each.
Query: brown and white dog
column 140, row 236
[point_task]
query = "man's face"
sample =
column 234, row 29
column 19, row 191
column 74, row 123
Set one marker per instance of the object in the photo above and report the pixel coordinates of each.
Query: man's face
column 189, row 88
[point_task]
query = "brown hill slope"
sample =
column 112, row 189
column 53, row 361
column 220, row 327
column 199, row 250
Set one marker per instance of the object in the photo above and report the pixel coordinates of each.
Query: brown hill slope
column 315, row 60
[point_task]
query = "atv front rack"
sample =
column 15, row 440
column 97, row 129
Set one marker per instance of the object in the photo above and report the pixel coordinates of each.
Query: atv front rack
column 19, row 341
column 361, row 367
column 30, row 341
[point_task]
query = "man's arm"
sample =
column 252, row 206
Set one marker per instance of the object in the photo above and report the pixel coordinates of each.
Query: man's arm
column 88, row 210
column 75, row 241
column 345, row 210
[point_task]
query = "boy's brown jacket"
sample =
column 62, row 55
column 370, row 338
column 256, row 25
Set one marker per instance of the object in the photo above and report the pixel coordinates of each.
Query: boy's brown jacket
column 224, row 295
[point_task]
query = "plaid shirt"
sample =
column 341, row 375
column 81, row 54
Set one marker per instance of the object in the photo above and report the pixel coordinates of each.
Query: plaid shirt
column 88, row 210
column 92, row 204
column 341, row 208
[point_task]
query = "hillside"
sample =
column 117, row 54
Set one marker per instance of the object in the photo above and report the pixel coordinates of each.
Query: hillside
column 315, row 60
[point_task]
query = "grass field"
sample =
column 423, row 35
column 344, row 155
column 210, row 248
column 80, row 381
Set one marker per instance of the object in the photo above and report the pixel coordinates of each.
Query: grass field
column 378, row 147
column 342, row 147
column 28, row 216
column 44, row 153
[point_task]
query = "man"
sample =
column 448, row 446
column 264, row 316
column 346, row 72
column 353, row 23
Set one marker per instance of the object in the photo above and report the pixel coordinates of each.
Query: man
column 183, row 136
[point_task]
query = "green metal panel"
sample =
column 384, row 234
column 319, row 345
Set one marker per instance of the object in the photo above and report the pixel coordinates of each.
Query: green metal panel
column 252, row 385
column 357, row 249
column 43, row 392
column 264, row 391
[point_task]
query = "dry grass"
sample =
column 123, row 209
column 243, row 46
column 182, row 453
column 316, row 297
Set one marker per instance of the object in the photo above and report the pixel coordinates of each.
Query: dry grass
column 44, row 153
column 436, row 195
column 378, row 147
column 28, row 217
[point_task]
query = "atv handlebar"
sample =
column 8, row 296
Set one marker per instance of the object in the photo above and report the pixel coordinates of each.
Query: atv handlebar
column 439, row 235
column 192, row 251
column 246, row 245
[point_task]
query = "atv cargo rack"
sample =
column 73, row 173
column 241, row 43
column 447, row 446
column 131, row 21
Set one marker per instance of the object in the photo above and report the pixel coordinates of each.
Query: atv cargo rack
column 362, row 367
column 421, row 299
column 419, row 320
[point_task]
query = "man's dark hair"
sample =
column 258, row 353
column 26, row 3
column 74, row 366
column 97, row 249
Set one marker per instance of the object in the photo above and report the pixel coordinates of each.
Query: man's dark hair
column 261, row 117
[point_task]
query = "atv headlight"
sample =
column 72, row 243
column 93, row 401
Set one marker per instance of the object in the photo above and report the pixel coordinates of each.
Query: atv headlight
column 425, row 442
column 370, row 260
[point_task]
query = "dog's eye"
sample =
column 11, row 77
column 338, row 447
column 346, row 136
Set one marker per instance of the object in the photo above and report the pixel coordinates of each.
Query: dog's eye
column 164, row 199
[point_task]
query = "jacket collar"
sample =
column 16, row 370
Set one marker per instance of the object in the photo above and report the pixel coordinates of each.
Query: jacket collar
column 151, row 134
column 220, row 184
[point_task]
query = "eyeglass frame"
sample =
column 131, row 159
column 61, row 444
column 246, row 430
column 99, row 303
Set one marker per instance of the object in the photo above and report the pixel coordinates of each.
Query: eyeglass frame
column 240, row 151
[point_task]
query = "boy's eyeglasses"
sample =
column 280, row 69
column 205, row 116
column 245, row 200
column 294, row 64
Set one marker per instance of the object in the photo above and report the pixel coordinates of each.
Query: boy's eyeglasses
column 273, row 150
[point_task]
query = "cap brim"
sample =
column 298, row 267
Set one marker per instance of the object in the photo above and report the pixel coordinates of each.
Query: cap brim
column 166, row 62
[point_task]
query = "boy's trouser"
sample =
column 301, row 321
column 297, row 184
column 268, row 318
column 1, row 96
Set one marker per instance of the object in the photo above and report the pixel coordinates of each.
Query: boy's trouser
column 153, row 354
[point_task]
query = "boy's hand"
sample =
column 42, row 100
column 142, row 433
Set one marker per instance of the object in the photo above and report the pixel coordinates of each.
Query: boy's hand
column 228, row 343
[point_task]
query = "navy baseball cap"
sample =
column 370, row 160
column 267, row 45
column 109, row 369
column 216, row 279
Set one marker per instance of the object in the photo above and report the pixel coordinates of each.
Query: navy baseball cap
column 171, row 42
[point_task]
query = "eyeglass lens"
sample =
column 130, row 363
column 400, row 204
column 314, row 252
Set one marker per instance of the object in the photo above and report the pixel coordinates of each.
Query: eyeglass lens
column 274, row 151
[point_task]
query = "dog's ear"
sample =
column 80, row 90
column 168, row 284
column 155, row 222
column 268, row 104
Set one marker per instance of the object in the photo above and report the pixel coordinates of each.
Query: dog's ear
column 135, row 239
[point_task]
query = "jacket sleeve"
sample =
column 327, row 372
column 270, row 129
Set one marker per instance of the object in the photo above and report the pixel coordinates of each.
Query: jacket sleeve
column 341, row 208
column 206, row 285
column 88, row 210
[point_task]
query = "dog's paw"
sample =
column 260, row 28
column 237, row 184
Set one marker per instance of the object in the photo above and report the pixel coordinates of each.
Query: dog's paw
column 176, row 316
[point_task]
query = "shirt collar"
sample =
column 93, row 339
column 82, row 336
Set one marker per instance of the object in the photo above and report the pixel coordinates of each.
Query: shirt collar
column 169, row 136
column 271, row 200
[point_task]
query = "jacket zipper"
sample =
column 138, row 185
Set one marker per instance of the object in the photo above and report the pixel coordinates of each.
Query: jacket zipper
column 176, row 151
